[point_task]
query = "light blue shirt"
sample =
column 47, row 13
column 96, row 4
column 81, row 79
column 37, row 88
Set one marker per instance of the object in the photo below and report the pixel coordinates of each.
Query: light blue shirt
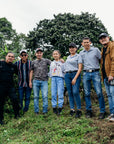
column 91, row 58
column 72, row 62
column 56, row 69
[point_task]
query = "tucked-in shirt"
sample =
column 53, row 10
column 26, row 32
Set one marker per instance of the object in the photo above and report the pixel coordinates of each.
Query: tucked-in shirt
column 23, row 72
column 7, row 71
column 40, row 69
column 72, row 62
column 91, row 58
column 56, row 69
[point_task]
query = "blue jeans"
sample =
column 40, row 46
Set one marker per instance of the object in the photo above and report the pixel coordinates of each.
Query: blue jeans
column 27, row 92
column 95, row 78
column 110, row 94
column 73, row 90
column 57, row 85
column 44, row 89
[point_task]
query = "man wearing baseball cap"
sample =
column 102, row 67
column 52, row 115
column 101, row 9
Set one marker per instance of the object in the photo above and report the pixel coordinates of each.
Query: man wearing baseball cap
column 39, row 68
column 23, row 67
column 107, row 70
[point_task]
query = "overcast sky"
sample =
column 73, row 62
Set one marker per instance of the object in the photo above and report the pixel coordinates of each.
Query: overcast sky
column 24, row 14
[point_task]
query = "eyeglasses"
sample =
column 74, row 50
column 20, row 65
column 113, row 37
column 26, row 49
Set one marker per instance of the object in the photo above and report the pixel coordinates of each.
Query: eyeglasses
column 24, row 55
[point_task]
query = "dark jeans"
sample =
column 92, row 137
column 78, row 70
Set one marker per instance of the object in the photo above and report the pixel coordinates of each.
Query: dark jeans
column 11, row 93
column 27, row 92
column 73, row 90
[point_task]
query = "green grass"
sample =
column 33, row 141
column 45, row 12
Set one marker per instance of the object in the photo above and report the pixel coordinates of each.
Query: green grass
column 48, row 129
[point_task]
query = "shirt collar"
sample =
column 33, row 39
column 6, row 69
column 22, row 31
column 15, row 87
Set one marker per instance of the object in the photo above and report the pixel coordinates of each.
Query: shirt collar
column 88, row 50
column 73, row 56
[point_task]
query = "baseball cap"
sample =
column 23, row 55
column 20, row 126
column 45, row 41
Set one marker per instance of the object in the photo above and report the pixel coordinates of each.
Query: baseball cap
column 23, row 51
column 103, row 35
column 39, row 49
column 72, row 45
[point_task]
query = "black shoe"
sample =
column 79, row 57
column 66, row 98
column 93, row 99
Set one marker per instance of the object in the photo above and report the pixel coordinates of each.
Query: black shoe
column 17, row 116
column 55, row 110
column 72, row 112
column 1, row 122
column 88, row 114
column 59, row 111
column 78, row 114
column 102, row 115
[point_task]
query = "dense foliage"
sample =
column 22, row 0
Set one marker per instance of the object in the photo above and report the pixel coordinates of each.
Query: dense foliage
column 9, row 39
column 58, row 32
column 52, row 34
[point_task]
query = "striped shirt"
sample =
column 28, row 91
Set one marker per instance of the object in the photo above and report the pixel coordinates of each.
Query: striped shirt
column 23, row 73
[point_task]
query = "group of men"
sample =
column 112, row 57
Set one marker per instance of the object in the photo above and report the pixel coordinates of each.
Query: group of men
column 25, row 70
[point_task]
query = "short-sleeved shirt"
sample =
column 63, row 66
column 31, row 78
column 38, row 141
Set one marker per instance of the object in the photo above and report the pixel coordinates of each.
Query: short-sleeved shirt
column 56, row 69
column 7, row 71
column 91, row 58
column 40, row 69
column 72, row 62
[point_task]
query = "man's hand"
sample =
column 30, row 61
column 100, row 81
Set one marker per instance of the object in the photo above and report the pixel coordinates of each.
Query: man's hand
column 110, row 78
column 30, row 84
column 73, row 81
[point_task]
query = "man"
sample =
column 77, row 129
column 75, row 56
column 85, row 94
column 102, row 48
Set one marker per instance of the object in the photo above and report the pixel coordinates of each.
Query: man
column 7, row 70
column 90, row 57
column 39, row 69
column 107, row 70
column 23, row 67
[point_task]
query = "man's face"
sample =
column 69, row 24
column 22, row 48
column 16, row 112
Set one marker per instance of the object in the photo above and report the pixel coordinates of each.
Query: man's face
column 39, row 54
column 104, row 40
column 86, row 44
column 10, row 58
column 24, row 56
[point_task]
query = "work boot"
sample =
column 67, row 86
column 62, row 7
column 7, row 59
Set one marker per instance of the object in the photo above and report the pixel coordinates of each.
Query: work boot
column 102, row 115
column 59, row 111
column 72, row 112
column 78, row 114
column 55, row 110
column 89, row 114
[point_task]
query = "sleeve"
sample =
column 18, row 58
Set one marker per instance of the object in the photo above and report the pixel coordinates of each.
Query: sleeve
column 32, row 65
column 112, row 61
column 15, row 63
column 50, row 69
column 63, row 67
column 15, row 69
column 79, row 59
column 98, row 53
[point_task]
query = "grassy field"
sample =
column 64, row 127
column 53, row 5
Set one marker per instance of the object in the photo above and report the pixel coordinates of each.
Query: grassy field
column 53, row 129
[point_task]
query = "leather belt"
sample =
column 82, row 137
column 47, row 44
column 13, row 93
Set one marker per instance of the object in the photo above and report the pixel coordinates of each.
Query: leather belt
column 91, row 70
column 71, row 71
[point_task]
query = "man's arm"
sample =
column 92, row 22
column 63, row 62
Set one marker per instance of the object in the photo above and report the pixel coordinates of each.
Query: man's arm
column 16, row 69
column 30, row 78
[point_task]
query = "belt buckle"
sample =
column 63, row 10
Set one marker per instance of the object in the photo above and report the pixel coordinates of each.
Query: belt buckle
column 90, row 70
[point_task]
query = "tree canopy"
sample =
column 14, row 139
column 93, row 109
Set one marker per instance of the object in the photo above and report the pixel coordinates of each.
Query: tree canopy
column 9, row 39
column 51, row 34
column 58, row 32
